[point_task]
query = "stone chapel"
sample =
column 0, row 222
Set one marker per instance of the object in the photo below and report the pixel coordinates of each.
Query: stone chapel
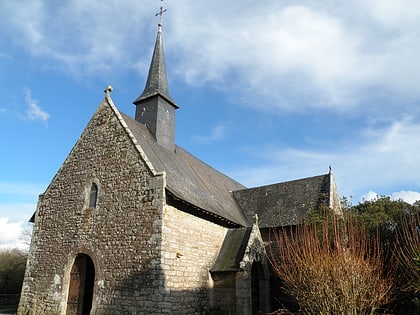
column 133, row 224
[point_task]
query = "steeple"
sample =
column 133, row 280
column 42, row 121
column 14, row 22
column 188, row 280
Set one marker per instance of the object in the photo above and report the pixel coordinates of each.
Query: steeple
column 157, row 82
column 154, row 107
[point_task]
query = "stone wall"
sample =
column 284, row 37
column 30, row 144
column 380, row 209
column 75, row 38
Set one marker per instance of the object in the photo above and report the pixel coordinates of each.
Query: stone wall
column 334, row 201
column 122, row 234
column 225, row 292
column 189, row 248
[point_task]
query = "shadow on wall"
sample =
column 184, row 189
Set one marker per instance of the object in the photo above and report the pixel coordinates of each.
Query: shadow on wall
column 144, row 293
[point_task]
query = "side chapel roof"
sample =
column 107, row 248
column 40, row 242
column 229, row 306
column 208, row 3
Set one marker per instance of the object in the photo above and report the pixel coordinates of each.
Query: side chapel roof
column 286, row 203
column 232, row 250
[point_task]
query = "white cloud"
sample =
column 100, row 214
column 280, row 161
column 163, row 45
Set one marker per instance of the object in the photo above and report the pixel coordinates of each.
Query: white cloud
column 11, row 232
column 271, row 52
column 395, row 14
column 34, row 111
column 79, row 37
column 340, row 56
column 333, row 55
column 369, row 196
column 407, row 196
column 382, row 158
column 23, row 18
column 17, row 204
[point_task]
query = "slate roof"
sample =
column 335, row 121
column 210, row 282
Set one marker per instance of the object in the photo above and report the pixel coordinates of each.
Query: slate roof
column 195, row 185
column 157, row 82
column 286, row 203
column 232, row 250
column 190, row 179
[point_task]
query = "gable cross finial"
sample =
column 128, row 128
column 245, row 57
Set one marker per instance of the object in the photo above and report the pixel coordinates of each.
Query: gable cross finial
column 108, row 90
column 160, row 13
column 256, row 219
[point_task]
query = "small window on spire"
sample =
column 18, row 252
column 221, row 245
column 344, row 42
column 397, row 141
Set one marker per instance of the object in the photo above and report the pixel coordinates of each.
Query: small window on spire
column 93, row 195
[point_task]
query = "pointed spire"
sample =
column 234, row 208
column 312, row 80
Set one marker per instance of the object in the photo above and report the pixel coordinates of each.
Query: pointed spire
column 157, row 82
column 154, row 107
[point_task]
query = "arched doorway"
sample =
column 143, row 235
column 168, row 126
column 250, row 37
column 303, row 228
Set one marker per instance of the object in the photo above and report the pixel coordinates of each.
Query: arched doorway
column 257, row 274
column 82, row 278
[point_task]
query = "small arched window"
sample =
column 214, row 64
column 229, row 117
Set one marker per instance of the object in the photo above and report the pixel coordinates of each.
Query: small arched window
column 93, row 195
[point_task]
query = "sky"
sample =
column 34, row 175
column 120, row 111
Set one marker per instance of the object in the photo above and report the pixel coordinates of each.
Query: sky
column 269, row 91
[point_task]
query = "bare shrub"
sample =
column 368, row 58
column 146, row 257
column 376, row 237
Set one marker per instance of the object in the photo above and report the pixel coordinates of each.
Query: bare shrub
column 332, row 269
column 408, row 251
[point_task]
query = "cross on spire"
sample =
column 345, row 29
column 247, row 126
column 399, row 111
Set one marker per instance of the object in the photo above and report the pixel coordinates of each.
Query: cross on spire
column 160, row 13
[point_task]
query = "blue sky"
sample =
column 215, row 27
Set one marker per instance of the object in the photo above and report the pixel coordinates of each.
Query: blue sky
column 268, row 91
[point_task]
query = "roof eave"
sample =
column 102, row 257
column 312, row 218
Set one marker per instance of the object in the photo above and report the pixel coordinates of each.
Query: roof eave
column 206, row 214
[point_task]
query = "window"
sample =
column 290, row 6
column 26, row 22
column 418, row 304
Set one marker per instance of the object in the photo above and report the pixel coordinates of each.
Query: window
column 93, row 195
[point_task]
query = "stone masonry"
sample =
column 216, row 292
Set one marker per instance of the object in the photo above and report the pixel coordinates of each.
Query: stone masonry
column 122, row 234
column 134, row 224
column 189, row 248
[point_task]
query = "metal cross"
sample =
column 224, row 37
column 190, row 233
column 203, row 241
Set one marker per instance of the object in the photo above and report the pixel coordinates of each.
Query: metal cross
column 161, row 13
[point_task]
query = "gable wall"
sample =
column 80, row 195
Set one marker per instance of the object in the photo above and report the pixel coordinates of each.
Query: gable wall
column 190, row 246
column 122, row 234
column 334, row 201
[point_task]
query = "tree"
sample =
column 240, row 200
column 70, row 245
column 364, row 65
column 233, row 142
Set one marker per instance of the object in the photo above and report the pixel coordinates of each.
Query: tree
column 384, row 216
column 12, row 269
column 26, row 236
column 397, row 222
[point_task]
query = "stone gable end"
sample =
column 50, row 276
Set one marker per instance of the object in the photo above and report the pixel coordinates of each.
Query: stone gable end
column 121, row 234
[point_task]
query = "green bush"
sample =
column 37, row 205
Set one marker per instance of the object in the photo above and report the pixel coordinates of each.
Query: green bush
column 12, row 269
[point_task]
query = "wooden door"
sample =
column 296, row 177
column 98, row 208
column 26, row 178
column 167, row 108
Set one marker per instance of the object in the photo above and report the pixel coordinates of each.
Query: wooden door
column 82, row 277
